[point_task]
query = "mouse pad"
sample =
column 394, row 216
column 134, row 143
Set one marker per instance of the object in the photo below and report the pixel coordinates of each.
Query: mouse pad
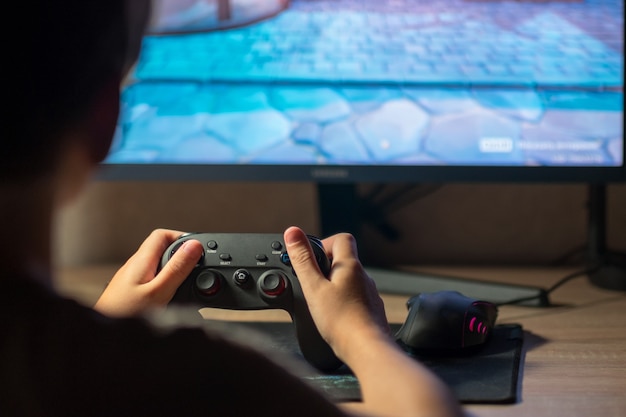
column 488, row 375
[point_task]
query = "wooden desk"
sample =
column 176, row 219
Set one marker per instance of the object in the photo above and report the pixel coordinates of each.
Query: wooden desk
column 575, row 353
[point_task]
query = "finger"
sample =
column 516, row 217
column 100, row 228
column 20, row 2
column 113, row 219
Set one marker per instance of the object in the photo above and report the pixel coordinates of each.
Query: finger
column 341, row 246
column 155, row 244
column 301, row 255
column 178, row 267
column 159, row 240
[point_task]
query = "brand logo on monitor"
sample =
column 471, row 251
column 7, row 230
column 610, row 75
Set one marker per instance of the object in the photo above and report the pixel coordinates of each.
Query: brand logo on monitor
column 330, row 173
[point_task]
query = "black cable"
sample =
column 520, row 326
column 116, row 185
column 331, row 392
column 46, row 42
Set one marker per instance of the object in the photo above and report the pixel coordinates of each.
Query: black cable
column 382, row 199
column 382, row 195
column 569, row 255
column 372, row 195
column 571, row 276
column 564, row 280
column 394, row 195
column 410, row 195
column 376, row 203
column 386, row 198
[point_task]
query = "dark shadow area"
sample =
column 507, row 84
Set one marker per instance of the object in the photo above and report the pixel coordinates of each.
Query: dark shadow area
column 488, row 375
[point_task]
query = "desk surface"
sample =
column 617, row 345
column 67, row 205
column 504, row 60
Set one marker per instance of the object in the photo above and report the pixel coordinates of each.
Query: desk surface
column 574, row 360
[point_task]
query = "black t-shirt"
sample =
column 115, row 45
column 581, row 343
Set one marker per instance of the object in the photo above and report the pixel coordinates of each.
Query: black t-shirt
column 59, row 358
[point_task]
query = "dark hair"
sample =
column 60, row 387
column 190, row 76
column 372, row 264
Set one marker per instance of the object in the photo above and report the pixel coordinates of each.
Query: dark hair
column 62, row 54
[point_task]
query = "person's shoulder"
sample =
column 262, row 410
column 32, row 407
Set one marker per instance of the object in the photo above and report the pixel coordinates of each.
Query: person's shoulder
column 41, row 321
column 64, row 357
column 24, row 298
column 71, row 360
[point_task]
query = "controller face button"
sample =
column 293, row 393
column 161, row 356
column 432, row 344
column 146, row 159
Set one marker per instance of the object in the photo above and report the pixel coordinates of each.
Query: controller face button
column 276, row 245
column 242, row 277
column 211, row 244
column 272, row 283
column 284, row 258
column 209, row 282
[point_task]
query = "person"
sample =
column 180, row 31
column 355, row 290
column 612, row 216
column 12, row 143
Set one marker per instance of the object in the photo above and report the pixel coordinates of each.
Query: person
column 128, row 356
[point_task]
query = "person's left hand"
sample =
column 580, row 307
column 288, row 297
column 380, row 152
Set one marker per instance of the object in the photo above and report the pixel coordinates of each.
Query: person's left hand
column 137, row 287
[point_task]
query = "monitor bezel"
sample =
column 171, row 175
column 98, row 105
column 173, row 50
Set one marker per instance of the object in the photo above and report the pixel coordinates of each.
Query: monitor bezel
column 358, row 173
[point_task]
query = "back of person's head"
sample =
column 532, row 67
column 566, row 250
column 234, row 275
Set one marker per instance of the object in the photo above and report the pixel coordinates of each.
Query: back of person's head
column 62, row 54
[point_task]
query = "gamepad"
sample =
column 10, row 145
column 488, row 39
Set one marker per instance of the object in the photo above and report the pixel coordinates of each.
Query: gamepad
column 253, row 272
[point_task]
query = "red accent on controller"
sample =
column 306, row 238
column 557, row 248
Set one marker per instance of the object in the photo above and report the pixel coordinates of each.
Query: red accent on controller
column 208, row 283
column 273, row 289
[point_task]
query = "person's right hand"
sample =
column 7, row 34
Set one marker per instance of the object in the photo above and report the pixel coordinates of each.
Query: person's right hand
column 350, row 316
column 345, row 306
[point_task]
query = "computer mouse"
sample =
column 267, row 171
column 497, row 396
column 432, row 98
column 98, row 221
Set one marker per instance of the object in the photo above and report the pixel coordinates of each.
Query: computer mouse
column 446, row 321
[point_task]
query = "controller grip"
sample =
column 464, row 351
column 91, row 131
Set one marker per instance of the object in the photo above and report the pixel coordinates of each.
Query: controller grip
column 312, row 345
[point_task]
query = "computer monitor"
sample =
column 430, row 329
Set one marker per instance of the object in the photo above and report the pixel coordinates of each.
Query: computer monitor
column 340, row 92
column 346, row 91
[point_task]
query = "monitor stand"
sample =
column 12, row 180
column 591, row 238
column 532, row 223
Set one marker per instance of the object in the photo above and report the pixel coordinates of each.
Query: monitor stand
column 340, row 211
column 608, row 269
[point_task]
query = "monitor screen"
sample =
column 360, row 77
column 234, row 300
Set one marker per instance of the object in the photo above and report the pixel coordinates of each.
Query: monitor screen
column 376, row 90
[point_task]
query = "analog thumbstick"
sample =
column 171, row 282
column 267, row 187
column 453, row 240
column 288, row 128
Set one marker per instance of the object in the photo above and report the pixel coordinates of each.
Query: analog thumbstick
column 208, row 282
column 272, row 283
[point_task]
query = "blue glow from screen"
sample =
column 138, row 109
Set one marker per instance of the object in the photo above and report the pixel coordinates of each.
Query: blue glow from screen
column 347, row 82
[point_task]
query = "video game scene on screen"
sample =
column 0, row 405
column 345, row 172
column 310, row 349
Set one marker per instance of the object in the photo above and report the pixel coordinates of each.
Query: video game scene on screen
column 454, row 82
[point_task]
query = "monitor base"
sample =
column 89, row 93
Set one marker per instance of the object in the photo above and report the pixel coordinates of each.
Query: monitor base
column 611, row 273
column 409, row 283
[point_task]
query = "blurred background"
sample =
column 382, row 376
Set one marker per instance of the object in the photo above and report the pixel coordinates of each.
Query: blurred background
column 490, row 224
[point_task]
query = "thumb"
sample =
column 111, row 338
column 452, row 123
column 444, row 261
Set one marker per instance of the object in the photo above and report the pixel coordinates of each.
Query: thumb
column 301, row 256
column 178, row 267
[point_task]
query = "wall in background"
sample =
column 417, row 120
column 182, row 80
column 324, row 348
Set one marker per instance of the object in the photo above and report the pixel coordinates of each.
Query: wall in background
column 503, row 224
column 457, row 224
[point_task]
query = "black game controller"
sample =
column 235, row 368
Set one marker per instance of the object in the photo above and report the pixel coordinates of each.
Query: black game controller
column 253, row 272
